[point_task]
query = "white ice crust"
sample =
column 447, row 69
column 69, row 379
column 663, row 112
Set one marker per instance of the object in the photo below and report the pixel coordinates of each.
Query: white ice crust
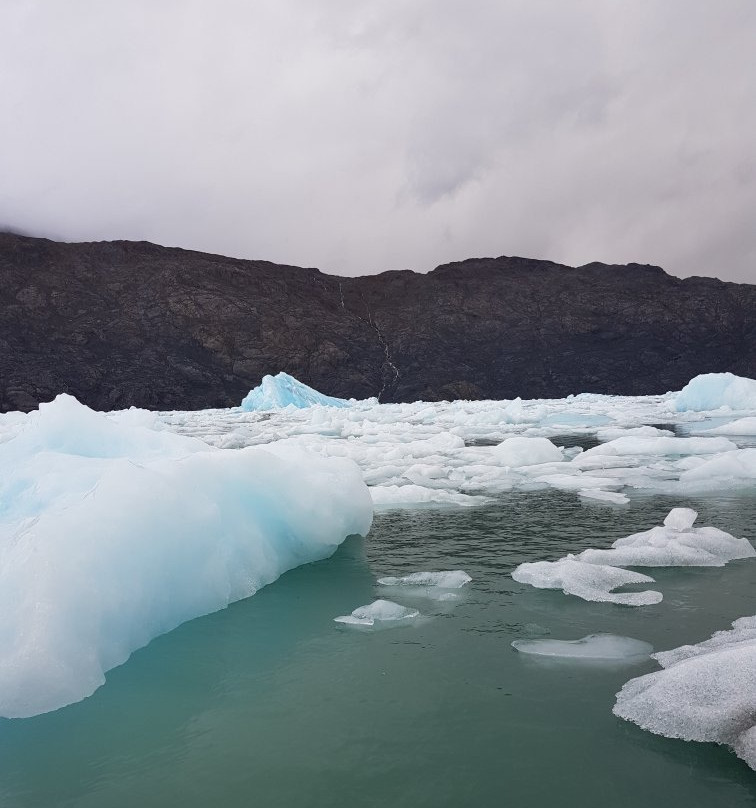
column 113, row 532
column 594, row 646
column 448, row 579
column 379, row 611
column 706, row 692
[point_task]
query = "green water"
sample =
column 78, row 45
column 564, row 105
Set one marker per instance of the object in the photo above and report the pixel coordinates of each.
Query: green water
column 269, row 703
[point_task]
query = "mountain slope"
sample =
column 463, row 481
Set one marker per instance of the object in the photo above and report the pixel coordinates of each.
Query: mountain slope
column 122, row 323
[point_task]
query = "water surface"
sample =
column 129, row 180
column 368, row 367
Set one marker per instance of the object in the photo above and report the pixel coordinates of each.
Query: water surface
column 271, row 703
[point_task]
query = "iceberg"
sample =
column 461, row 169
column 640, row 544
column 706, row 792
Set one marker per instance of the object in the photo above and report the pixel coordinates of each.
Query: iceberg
column 675, row 544
column 380, row 611
column 594, row 646
column 282, row 390
column 593, row 582
column 113, row 532
column 706, row 692
column 710, row 391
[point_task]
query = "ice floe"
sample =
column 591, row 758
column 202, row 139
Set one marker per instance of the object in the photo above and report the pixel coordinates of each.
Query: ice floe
column 594, row 646
column 523, row 451
column 675, row 544
column 706, row 692
column 380, row 611
column 593, row 582
column 439, row 454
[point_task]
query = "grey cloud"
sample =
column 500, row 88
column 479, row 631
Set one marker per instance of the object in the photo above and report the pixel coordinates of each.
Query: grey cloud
column 359, row 136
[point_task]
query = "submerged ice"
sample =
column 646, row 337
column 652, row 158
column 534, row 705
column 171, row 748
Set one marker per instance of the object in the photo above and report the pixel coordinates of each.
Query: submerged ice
column 594, row 646
column 113, row 532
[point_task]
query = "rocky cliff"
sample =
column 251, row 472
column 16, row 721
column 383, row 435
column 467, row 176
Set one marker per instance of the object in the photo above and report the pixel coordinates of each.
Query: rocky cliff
column 122, row 323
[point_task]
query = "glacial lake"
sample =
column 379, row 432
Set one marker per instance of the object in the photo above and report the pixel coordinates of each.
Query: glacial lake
column 270, row 703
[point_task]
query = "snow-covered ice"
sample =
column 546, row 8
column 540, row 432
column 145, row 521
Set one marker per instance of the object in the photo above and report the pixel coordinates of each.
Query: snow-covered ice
column 380, row 611
column 593, row 582
column 706, row 692
column 113, row 532
column 594, row 646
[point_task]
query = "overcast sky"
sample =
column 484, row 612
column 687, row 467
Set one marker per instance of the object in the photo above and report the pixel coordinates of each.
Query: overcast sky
column 359, row 136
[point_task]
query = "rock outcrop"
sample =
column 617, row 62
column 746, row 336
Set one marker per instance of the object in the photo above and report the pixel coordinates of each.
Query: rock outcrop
column 122, row 323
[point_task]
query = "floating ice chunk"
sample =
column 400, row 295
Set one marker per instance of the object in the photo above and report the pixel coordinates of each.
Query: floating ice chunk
column 727, row 470
column 594, row 646
column 738, row 427
column 680, row 518
column 416, row 496
column 380, row 611
column 452, row 579
column 282, row 390
column 661, row 446
column 521, row 451
column 677, row 544
column 612, row 433
column 706, row 692
column 111, row 534
column 710, row 391
column 605, row 497
column 592, row 582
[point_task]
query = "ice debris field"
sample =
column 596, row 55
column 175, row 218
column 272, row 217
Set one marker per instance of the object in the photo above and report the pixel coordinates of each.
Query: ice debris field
column 117, row 527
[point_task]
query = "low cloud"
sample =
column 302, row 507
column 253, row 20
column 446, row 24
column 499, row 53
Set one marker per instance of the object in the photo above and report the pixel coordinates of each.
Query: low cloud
column 360, row 136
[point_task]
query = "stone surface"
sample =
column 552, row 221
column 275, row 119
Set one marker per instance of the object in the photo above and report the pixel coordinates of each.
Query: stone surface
column 122, row 323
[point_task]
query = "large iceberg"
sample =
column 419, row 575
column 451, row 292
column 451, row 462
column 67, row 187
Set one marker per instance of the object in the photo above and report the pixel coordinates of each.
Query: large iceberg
column 706, row 692
column 113, row 532
column 282, row 390
column 710, row 391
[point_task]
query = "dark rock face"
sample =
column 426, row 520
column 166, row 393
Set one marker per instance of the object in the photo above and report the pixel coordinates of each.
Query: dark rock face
column 122, row 323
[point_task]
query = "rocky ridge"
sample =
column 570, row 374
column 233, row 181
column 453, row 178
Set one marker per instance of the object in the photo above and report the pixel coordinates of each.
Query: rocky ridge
column 132, row 323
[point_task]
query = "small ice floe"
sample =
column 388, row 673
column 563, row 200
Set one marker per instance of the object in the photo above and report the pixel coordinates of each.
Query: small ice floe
column 706, row 692
column 594, row 646
column 593, row 582
column 448, row 579
column 523, row 451
column 675, row 544
column 596, row 495
column 380, row 611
